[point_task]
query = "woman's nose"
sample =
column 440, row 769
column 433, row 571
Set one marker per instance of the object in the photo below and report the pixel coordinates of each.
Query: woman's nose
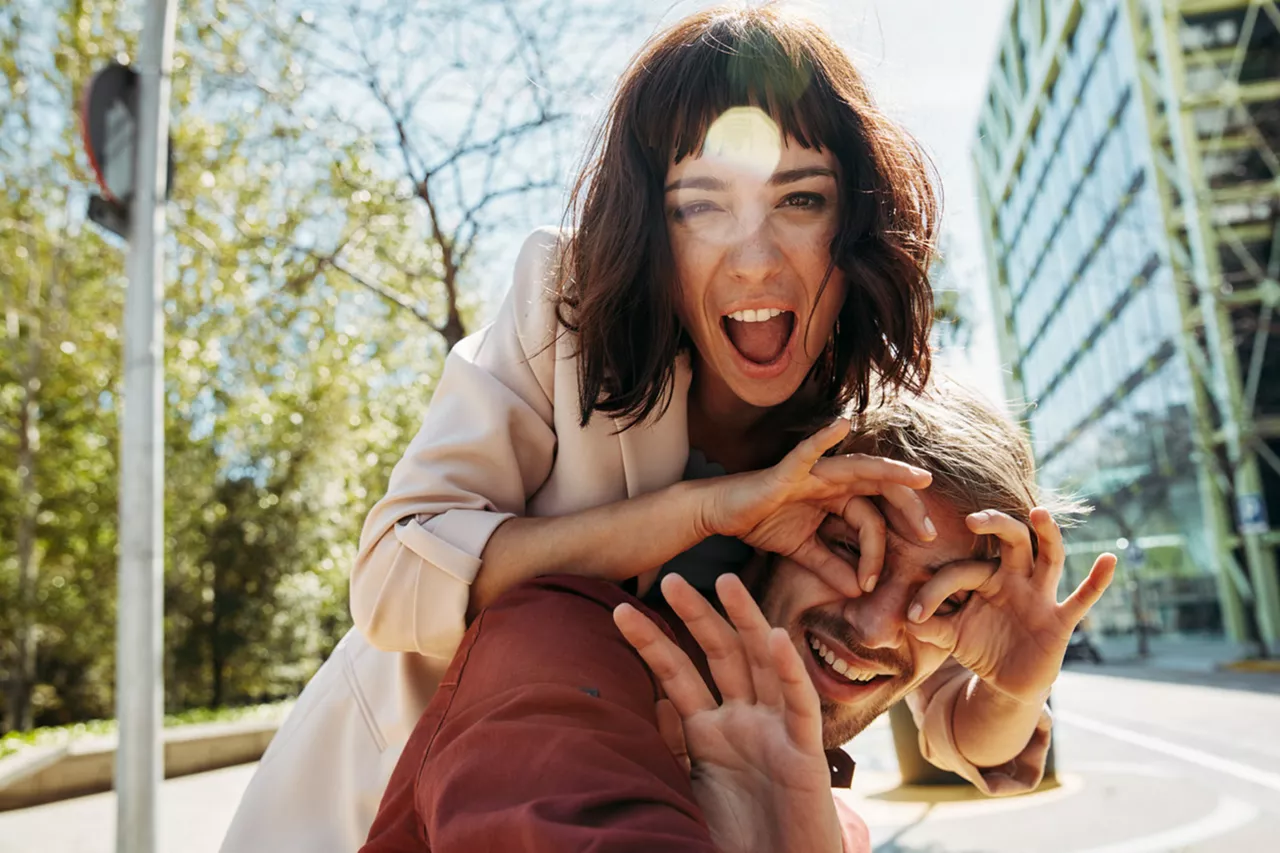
column 754, row 254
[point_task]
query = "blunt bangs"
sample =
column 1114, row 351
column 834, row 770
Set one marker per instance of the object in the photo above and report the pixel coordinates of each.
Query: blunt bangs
column 733, row 64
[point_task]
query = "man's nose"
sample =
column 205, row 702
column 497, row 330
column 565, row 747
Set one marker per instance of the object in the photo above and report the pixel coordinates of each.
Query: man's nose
column 879, row 619
column 755, row 254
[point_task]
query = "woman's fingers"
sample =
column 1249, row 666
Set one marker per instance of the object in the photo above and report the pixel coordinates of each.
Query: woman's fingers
column 801, row 708
column 1090, row 589
column 897, row 482
column 671, row 729
column 722, row 645
column 753, row 628
column 911, row 506
column 816, row 556
column 953, row 579
column 1015, row 539
column 861, row 518
column 851, row 468
column 800, row 461
column 678, row 676
column 1051, row 554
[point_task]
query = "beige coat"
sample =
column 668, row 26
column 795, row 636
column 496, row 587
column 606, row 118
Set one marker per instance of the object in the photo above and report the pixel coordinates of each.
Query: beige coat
column 501, row 438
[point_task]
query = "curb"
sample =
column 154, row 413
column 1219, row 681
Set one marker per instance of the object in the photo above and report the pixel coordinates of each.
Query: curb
column 1269, row 665
column 87, row 765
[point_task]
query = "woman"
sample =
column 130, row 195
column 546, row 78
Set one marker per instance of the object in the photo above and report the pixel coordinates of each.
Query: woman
column 750, row 254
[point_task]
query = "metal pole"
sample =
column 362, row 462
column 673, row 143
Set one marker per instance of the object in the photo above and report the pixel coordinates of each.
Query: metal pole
column 139, row 626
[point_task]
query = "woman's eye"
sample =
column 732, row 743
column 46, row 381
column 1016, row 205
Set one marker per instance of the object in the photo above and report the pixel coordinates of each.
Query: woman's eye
column 805, row 201
column 685, row 211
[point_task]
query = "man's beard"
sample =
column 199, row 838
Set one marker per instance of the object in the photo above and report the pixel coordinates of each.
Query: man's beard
column 842, row 722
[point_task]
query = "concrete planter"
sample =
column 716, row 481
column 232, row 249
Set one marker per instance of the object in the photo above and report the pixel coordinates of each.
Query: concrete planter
column 86, row 765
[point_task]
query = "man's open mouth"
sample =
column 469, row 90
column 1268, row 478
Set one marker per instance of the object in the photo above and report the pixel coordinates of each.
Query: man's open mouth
column 760, row 335
column 841, row 670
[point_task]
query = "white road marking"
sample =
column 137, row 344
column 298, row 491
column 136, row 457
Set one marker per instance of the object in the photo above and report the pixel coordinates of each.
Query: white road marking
column 1185, row 753
column 1230, row 814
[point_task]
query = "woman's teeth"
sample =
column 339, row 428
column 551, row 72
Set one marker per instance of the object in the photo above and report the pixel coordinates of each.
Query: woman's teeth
column 838, row 664
column 755, row 315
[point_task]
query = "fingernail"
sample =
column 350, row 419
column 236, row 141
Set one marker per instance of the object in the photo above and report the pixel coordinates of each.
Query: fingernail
column 980, row 516
column 870, row 583
column 915, row 612
column 929, row 528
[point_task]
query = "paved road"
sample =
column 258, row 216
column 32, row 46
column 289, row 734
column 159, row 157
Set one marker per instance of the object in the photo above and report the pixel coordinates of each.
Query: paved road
column 1155, row 763
column 1149, row 762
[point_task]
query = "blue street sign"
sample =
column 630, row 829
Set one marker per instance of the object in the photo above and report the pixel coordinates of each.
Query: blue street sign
column 1252, row 513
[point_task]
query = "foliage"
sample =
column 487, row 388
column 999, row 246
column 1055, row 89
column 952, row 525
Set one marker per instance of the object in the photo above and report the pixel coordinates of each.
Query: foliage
column 338, row 170
column 286, row 405
column 45, row 736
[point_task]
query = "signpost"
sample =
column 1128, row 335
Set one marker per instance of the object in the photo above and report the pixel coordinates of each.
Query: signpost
column 109, row 125
column 125, row 120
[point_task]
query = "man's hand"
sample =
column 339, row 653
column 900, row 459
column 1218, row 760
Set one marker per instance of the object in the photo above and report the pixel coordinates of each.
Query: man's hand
column 756, row 760
column 1012, row 632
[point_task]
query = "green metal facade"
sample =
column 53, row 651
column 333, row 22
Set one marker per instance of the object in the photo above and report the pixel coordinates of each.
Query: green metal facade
column 1128, row 165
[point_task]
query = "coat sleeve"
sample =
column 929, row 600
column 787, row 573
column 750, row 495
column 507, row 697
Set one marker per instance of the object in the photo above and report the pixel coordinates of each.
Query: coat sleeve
column 933, row 707
column 485, row 446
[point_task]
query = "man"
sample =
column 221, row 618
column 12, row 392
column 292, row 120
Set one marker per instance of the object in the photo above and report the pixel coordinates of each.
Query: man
column 546, row 734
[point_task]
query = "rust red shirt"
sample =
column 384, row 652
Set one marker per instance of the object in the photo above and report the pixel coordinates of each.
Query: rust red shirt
column 542, row 739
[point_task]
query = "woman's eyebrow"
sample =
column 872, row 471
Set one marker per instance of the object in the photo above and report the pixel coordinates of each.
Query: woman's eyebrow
column 698, row 183
column 790, row 176
column 777, row 179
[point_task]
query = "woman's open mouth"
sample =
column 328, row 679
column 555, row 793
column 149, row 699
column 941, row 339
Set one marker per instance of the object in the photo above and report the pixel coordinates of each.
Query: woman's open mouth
column 761, row 337
column 837, row 678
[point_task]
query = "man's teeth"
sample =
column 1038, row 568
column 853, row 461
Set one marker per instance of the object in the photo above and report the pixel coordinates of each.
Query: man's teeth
column 755, row 315
column 839, row 664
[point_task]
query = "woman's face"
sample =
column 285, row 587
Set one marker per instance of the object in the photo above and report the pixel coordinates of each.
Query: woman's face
column 751, row 222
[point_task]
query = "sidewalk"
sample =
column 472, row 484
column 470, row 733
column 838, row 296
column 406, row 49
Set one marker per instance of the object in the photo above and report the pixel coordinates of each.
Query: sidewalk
column 1185, row 654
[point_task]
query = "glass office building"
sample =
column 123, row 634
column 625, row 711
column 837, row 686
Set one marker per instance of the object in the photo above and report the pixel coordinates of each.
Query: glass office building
column 1131, row 196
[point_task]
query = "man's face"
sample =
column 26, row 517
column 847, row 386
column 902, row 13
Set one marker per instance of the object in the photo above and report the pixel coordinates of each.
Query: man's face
column 858, row 651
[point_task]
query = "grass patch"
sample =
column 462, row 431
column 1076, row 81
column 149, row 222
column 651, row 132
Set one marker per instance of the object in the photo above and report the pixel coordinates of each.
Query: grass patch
column 14, row 742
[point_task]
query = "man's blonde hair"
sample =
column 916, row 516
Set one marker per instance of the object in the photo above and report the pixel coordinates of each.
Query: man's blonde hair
column 980, row 459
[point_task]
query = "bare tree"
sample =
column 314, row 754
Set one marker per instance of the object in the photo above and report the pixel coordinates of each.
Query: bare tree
column 466, row 117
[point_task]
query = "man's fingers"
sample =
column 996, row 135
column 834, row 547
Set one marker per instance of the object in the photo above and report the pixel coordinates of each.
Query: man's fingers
column 802, row 711
column 1014, row 536
column 953, row 578
column 671, row 729
column 723, row 646
column 678, row 676
column 1052, row 555
column 1090, row 589
column 753, row 628
column 938, row 631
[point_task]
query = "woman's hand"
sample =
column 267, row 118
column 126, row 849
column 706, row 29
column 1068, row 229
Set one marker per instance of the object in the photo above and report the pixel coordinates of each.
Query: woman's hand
column 1012, row 632
column 781, row 508
column 756, row 761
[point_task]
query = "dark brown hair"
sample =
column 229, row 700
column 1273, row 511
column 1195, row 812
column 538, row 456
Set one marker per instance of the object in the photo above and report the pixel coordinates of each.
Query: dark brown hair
column 617, row 287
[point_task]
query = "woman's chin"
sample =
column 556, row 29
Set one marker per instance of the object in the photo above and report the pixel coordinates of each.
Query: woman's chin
column 765, row 393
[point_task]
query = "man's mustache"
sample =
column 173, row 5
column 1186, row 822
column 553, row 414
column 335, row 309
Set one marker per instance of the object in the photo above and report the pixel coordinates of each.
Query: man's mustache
column 843, row 633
